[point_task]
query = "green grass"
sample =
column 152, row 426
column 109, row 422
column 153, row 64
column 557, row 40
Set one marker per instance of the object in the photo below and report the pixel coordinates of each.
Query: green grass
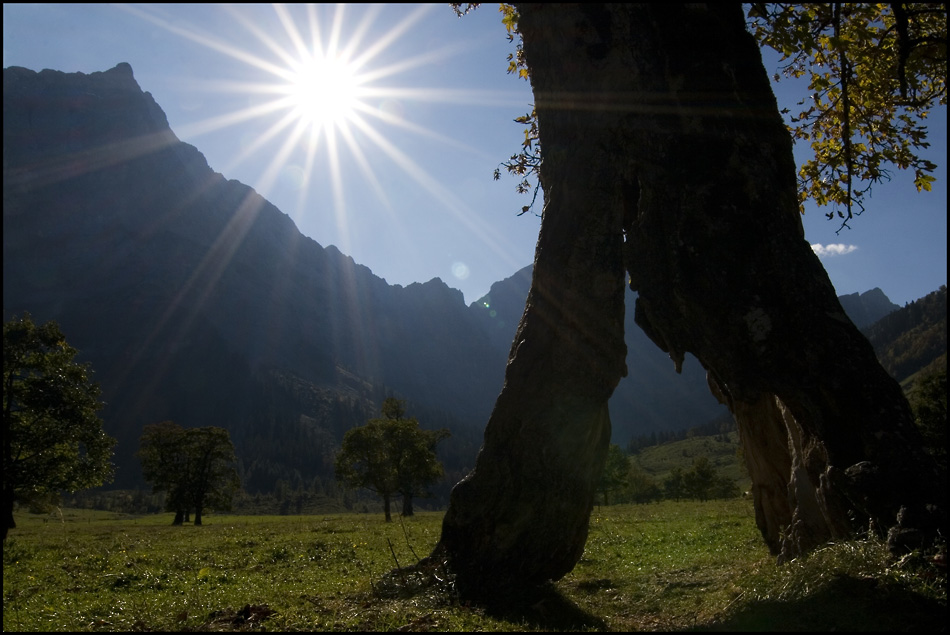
column 666, row 566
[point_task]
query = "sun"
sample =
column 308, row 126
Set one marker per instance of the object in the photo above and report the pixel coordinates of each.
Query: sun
column 323, row 91
column 319, row 86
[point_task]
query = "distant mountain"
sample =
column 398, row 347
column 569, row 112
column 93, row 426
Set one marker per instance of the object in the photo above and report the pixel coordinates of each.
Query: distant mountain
column 196, row 300
column 913, row 339
column 867, row 308
column 652, row 397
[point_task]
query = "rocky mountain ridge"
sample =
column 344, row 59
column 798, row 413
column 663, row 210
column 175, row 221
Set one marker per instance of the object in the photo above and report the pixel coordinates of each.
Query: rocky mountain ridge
column 196, row 300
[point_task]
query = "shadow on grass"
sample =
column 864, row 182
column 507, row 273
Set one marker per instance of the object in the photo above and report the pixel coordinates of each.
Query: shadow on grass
column 844, row 604
column 546, row 609
column 542, row 608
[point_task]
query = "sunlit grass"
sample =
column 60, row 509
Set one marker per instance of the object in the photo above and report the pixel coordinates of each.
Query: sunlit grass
column 667, row 566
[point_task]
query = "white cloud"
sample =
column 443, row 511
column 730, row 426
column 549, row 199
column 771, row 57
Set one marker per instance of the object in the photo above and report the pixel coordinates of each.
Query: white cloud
column 832, row 250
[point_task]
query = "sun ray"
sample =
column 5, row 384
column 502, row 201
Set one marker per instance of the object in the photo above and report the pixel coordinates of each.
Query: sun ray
column 261, row 139
column 226, row 120
column 207, row 41
column 391, row 35
column 322, row 99
column 310, row 157
column 291, row 29
column 422, row 131
column 365, row 168
column 285, row 56
column 460, row 211
column 339, row 200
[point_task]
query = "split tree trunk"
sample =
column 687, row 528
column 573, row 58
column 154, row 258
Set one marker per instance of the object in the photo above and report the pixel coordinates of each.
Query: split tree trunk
column 715, row 249
column 521, row 517
column 658, row 125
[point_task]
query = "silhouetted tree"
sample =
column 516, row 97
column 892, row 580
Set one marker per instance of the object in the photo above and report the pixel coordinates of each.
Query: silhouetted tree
column 674, row 485
column 699, row 480
column 390, row 455
column 614, row 476
column 929, row 401
column 195, row 467
column 52, row 437
column 667, row 167
column 641, row 487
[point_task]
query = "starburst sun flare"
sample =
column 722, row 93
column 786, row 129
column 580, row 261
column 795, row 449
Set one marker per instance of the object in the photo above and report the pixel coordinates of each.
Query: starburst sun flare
column 323, row 91
column 323, row 82
column 319, row 102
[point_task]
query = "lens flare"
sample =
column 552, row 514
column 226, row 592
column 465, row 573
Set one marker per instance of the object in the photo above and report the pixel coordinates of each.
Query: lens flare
column 324, row 91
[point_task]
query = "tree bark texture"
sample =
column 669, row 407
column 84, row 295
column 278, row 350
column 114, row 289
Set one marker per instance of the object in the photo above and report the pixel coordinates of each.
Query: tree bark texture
column 716, row 251
column 664, row 154
column 521, row 517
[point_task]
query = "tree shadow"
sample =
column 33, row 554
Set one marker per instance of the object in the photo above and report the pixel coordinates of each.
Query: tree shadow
column 542, row 608
column 545, row 608
column 846, row 603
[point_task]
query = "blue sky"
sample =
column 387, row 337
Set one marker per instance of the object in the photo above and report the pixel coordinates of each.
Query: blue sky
column 403, row 183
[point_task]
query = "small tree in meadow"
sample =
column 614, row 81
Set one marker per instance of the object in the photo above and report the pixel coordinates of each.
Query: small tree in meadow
column 194, row 467
column 52, row 437
column 614, row 476
column 390, row 455
column 641, row 487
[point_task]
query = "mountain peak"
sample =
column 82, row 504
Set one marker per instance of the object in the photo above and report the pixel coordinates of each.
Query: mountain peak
column 867, row 308
column 71, row 118
column 122, row 68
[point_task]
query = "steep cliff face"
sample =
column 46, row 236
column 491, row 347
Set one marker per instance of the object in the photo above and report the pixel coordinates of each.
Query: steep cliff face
column 186, row 290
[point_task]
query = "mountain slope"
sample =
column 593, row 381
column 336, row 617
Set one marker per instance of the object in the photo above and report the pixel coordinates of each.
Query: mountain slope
column 196, row 300
column 866, row 308
column 191, row 295
column 913, row 339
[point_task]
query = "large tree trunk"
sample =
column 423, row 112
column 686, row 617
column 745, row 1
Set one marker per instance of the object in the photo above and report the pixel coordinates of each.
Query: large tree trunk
column 658, row 124
column 521, row 517
column 716, row 250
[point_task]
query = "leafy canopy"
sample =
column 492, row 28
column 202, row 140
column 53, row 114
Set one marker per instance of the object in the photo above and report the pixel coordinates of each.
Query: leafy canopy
column 929, row 401
column 875, row 71
column 615, row 473
column 195, row 467
column 390, row 455
column 52, row 437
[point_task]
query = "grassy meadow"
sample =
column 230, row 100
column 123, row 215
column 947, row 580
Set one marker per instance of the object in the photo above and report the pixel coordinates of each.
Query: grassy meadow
column 657, row 567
